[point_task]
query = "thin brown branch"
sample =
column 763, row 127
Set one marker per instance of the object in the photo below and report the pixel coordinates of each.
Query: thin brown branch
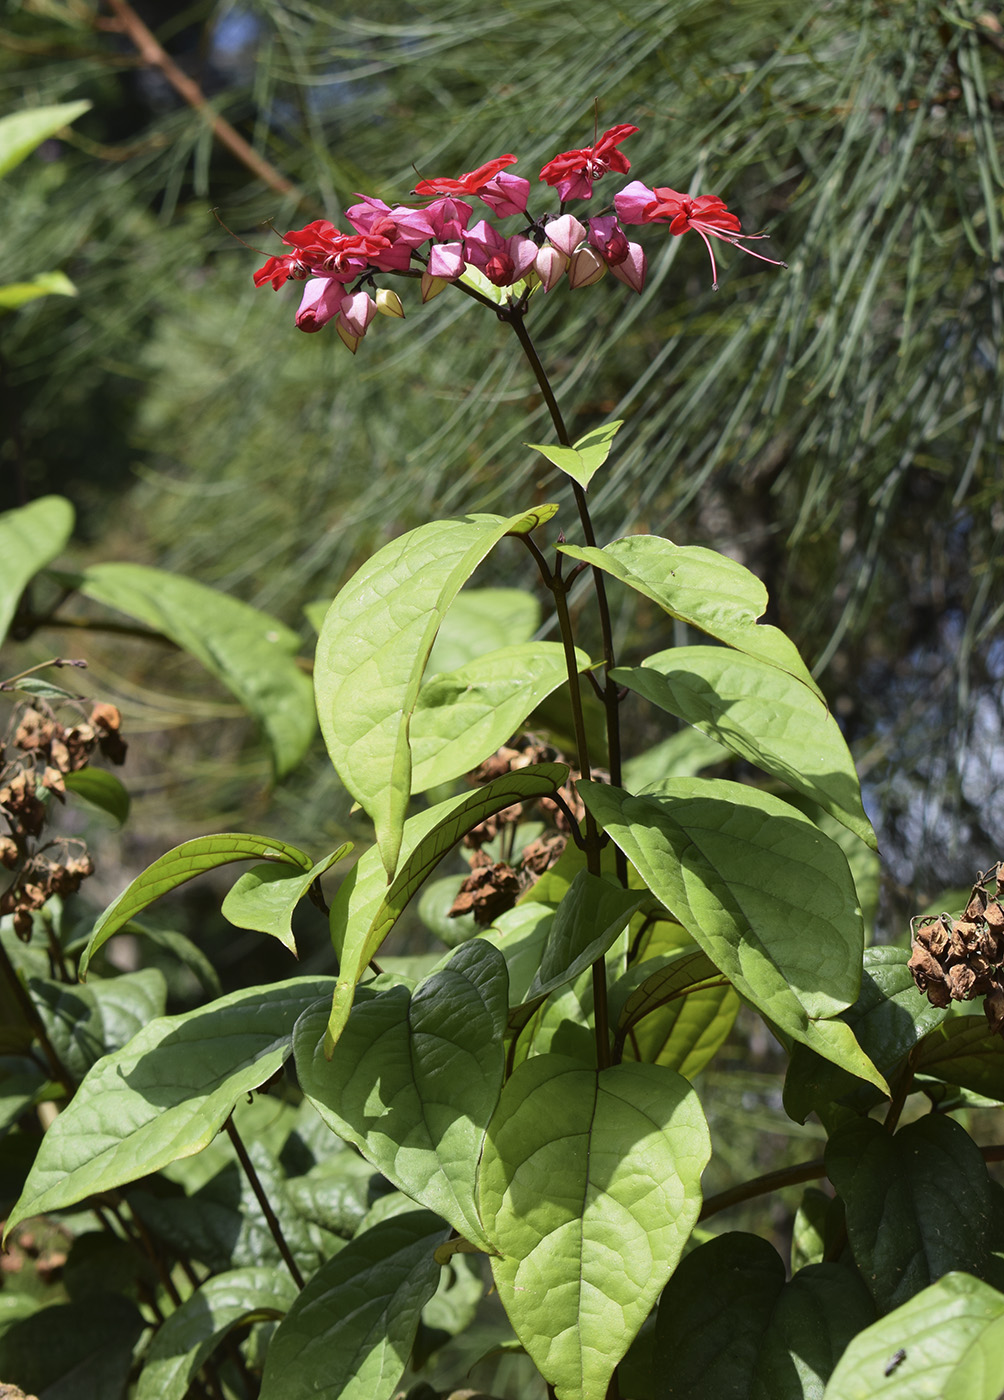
column 128, row 22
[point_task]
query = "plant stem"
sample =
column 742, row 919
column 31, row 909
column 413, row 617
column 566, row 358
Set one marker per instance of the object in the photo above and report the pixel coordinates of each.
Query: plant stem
column 761, row 1185
column 263, row 1201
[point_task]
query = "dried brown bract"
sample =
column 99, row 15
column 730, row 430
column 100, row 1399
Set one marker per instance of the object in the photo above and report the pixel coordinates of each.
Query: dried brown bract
column 961, row 959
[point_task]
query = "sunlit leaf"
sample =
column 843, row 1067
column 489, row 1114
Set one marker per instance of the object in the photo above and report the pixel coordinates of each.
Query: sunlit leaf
column 703, row 588
column 186, row 861
column 373, row 650
column 265, row 897
column 590, row 1186
column 252, row 653
column 30, row 538
column 583, row 460
column 761, row 713
column 462, row 716
column 415, row 1078
column 480, row 620
column 760, row 889
column 23, row 132
column 165, row 1095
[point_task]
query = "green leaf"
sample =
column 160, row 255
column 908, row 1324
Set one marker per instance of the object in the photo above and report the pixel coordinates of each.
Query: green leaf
column 265, row 897
column 194, row 1330
column 947, row 1343
column 682, row 755
column 762, row 714
column 364, row 910
column 888, row 1019
column 46, row 284
column 23, row 132
column 480, row 620
column 703, row 588
column 415, row 1078
column 165, row 1095
column 30, row 538
column 252, row 653
column 85, row 1022
column 675, row 1010
column 583, row 460
column 730, row 1325
column 918, row 1203
column 186, row 861
column 586, row 922
column 761, row 890
column 463, row 716
column 819, row 1230
column 590, row 1186
column 373, row 650
column 101, row 789
column 962, row 1051
column 350, row 1331
column 74, row 1351
column 521, row 934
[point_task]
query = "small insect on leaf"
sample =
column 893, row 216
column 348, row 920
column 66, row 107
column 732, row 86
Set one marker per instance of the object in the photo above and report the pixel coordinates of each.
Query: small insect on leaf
column 896, row 1360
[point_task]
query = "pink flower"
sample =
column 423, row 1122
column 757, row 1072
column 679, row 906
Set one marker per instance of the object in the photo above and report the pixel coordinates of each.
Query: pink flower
column 506, row 194
column 502, row 260
column 471, row 183
column 446, row 260
column 549, row 265
column 585, row 267
column 403, row 228
column 609, row 239
column 706, row 214
column 322, row 298
column 448, row 218
column 573, row 172
column 633, row 269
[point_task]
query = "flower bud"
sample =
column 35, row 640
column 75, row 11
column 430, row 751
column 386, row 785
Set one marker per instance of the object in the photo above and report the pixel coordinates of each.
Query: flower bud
column 432, row 286
column 388, row 303
column 565, row 234
column 585, row 268
column 550, row 264
column 351, row 342
column 633, row 269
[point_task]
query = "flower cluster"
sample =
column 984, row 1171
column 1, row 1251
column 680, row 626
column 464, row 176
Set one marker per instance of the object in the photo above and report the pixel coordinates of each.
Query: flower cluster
column 960, row 959
column 438, row 242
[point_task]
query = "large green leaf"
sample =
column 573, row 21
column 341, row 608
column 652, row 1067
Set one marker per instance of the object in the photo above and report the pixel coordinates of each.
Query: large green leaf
column 463, row 716
column 703, row 588
column 252, row 653
column 761, row 713
column 415, row 1078
column 888, row 1019
column 918, row 1203
column 23, row 132
column 480, row 620
column 165, row 1095
column 766, row 895
column 962, row 1051
column 30, row 538
column 74, row 1351
column 364, row 910
column 350, row 1331
column 947, row 1343
column 186, row 861
column 265, row 897
column 373, row 650
column 678, row 1014
column 590, row 1186
column 730, row 1325
column 85, row 1022
column 192, row 1333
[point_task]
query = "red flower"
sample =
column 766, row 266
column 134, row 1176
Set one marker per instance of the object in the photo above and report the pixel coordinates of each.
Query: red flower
column 471, row 183
column 706, row 215
column 320, row 250
column 574, row 171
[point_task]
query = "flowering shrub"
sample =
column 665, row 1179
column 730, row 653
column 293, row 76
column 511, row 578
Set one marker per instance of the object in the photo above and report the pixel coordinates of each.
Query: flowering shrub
column 438, row 241
column 529, row 1103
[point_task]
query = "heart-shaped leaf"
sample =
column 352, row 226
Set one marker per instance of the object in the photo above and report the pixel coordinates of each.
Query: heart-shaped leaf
column 589, row 1187
column 415, row 1078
